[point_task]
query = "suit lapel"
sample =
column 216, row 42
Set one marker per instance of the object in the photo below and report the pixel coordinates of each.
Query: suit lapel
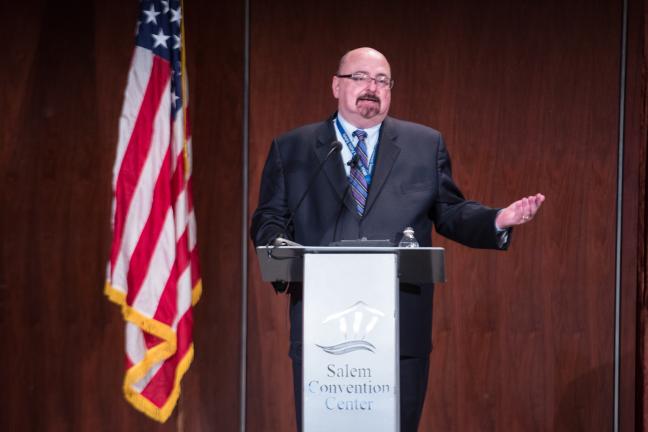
column 388, row 151
column 334, row 169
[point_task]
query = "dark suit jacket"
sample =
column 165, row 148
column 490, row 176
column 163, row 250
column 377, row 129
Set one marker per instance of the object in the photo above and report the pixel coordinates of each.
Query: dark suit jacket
column 411, row 186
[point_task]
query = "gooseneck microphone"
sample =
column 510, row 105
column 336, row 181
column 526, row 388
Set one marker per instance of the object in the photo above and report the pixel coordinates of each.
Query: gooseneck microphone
column 280, row 239
column 353, row 163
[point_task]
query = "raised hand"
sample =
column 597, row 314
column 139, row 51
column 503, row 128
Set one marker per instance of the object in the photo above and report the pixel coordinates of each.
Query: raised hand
column 519, row 212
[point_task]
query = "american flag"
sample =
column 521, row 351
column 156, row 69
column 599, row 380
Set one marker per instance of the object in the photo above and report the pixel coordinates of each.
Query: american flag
column 153, row 269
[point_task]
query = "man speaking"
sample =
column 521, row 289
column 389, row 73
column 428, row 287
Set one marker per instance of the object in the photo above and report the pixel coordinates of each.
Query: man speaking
column 388, row 175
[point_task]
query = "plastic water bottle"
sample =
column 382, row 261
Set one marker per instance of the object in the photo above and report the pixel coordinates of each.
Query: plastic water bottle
column 408, row 240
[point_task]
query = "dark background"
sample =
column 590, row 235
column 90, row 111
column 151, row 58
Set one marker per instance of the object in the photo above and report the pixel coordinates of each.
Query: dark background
column 527, row 97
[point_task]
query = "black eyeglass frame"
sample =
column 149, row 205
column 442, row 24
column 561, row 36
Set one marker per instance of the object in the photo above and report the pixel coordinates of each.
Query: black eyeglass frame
column 362, row 76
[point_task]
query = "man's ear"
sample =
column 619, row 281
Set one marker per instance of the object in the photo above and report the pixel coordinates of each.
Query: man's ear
column 335, row 87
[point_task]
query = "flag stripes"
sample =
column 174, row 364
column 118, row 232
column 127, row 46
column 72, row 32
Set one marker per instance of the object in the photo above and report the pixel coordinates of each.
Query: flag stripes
column 153, row 270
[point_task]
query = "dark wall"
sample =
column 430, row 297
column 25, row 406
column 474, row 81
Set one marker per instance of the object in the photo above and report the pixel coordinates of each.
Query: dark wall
column 63, row 81
column 526, row 96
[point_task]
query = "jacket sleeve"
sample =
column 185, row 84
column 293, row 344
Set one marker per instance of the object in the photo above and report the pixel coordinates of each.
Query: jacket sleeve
column 467, row 222
column 272, row 213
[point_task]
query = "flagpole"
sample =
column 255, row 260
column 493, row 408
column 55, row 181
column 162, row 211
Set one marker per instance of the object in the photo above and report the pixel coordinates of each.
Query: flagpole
column 185, row 90
column 185, row 153
column 244, row 230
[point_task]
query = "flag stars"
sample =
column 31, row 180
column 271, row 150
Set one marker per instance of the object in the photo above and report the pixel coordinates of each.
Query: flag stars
column 151, row 15
column 159, row 28
column 160, row 39
column 176, row 15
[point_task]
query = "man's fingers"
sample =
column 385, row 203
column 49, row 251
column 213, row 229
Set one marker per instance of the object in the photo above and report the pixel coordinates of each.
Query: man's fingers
column 519, row 210
column 522, row 210
column 537, row 202
column 534, row 203
column 526, row 208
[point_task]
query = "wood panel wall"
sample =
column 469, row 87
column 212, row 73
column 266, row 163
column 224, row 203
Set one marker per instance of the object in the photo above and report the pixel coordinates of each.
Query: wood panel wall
column 62, row 82
column 527, row 98
column 634, row 238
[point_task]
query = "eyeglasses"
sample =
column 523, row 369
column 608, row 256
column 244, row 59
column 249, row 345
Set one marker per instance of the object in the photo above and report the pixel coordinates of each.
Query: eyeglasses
column 382, row 81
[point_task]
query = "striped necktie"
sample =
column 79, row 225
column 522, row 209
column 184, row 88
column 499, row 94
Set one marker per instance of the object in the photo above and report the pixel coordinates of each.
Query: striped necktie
column 357, row 179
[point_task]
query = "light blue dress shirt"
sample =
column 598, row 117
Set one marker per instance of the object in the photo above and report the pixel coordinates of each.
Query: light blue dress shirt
column 371, row 141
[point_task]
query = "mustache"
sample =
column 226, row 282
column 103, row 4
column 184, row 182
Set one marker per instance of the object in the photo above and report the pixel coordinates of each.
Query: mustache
column 369, row 97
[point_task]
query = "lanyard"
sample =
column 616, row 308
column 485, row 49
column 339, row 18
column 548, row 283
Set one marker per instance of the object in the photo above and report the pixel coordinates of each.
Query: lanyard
column 367, row 173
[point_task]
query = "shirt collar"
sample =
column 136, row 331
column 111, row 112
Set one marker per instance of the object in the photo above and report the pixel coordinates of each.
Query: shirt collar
column 371, row 132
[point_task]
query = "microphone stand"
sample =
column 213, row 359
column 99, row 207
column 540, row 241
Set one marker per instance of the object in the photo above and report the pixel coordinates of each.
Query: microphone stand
column 353, row 163
column 280, row 239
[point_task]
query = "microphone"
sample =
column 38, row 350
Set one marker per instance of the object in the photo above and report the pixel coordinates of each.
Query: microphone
column 280, row 239
column 339, row 213
column 353, row 163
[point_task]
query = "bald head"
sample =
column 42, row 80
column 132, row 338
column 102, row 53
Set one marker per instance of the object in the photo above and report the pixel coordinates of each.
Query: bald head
column 363, row 103
column 359, row 52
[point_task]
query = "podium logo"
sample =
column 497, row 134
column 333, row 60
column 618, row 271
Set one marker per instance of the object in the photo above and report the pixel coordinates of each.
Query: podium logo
column 354, row 325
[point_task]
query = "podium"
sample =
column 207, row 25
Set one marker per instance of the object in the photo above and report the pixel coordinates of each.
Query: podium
column 350, row 330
